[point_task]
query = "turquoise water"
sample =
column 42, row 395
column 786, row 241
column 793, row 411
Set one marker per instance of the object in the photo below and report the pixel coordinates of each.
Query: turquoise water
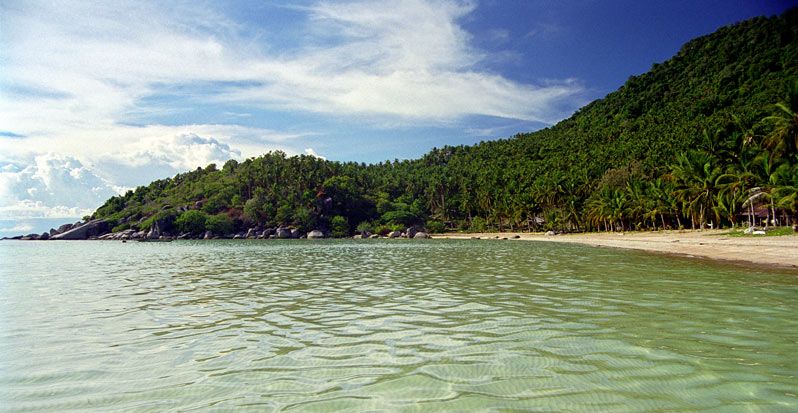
column 417, row 326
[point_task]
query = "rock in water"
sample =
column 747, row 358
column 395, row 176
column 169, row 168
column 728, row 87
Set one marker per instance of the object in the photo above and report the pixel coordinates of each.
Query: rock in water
column 421, row 235
column 90, row 229
column 411, row 232
column 315, row 234
column 283, row 233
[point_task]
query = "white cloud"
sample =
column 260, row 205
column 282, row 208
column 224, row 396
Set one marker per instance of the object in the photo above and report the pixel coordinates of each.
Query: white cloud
column 311, row 152
column 52, row 186
column 74, row 74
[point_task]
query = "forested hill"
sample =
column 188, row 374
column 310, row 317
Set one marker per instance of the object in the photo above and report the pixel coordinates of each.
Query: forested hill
column 684, row 144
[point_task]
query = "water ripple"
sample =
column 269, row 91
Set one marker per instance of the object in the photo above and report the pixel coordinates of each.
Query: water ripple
column 388, row 326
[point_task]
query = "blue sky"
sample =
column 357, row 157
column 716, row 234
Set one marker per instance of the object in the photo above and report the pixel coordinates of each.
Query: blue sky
column 99, row 97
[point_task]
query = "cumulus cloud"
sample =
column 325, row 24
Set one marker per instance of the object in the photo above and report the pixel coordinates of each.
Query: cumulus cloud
column 52, row 186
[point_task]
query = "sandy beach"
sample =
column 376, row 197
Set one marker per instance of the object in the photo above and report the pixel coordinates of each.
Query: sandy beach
column 776, row 252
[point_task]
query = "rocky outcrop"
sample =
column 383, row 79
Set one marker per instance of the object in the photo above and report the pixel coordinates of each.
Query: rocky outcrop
column 410, row 232
column 394, row 234
column 92, row 228
column 155, row 231
column 283, row 233
column 315, row 234
column 421, row 235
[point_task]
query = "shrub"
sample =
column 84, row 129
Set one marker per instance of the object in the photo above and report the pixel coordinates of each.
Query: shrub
column 435, row 227
column 478, row 224
column 219, row 224
column 121, row 227
column 339, row 226
column 191, row 221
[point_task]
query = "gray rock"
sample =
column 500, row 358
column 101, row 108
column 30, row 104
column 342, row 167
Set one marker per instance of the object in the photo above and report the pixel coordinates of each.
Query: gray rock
column 44, row 236
column 283, row 233
column 421, row 235
column 53, row 231
column 295, row 233
column 315, row 234
column 207, row 235
column 374, row 236
column 357, row 236
column 251, row 233
column 64, row 228
column 410, row 232
column 550, row 233
column 155, row 231
column 90, row 229
column 394, row 234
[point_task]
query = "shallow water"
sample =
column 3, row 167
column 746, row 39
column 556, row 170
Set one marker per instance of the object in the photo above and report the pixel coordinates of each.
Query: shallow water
column 419, row 326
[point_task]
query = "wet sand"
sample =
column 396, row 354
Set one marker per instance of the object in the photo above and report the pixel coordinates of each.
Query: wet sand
column 774, row 252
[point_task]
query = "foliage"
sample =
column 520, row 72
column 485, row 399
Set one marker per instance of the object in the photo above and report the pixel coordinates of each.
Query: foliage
column 192, row 221
column 219, row 224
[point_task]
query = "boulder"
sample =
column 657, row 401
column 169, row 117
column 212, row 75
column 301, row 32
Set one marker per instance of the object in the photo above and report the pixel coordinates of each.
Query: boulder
column 283, row 233
column 155, row 231
column 207, row 235
column 550, row 233
column 410, row 232
column 749, row 231
column 267, row 232
column 44, row 236
column 251, row 233
column 374, row 236
column 53, row 231
column 138, row 235
column 90, row 229
column 421, row 235
column 315, row 234
column 30, row 237
column 394, row 234
column 357, row 236
column 295, row 233
column 64, row 228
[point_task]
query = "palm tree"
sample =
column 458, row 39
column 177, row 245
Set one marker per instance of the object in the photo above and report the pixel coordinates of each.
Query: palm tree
column 695, row 174
column 782, row 140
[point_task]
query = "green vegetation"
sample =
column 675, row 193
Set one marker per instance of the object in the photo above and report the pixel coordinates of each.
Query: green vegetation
column 702, row 139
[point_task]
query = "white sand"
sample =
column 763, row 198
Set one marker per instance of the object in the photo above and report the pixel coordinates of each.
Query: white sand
column 776, row 252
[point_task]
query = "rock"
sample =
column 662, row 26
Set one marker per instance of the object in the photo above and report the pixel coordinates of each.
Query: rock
column 268, row 232
column 295, row 233
column 30, row 237
column 155, row 231
column 283, row 233
column 550, row 233
column 394, row 234
column 760, row 232
column 374, row 236
column 90, row 229
column 357, row 236
column 516, row 236
column 44, row 236
column 64, row 228
column 251, row 233
column 421, row 235
column 237, row 236
column 749, row 231
column 53, row 231
column 207, row 235
column 410, row 232
column 138, row 235
column 315, row 234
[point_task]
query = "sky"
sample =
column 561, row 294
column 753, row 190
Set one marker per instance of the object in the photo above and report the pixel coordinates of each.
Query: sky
column 99, row 97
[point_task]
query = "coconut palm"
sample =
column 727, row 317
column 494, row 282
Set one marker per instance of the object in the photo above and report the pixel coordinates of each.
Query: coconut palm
column 782, row 140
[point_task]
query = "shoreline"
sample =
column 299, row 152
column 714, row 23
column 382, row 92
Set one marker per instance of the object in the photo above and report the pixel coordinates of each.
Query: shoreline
column 763, row 252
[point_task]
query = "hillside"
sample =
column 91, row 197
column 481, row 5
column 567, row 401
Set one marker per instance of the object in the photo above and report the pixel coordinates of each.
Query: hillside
column 684, row 144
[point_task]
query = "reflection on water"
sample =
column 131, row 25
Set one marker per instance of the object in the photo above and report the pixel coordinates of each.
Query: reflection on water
column 389, row 326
